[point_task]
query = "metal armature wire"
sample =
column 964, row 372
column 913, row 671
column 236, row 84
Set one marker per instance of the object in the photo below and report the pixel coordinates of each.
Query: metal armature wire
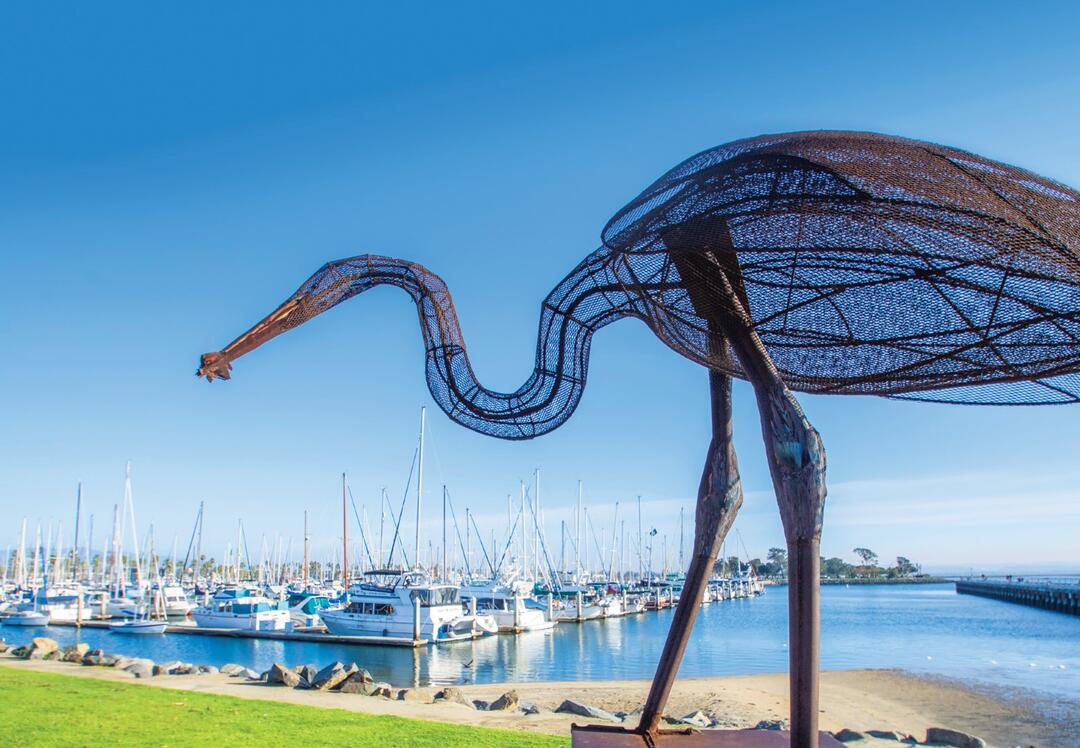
column 868, row 264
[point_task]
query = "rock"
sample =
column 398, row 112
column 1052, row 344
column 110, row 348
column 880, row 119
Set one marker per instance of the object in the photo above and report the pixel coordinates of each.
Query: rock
column 454, row 696
column 418, row 695
column 885, row 734
column 848, row 736
column 528, row 708
column 184, row 668
column 356, row 683
column 955, row 738
column 507, row 701
column 20, row 652
column 584, row 710
column 772, row 724
column 232, row 669
column 249, row 674
column 307, row 674
column 480, row 705
column 279, row 675
column 383, row 689
column 167, row 668
column 206, row 670
column 3, row 646
column 44, row 644
column 76, row 652
column 109, row 660
column 140, row 668
column 697, row 719
column 330, row 676
column 54, row 655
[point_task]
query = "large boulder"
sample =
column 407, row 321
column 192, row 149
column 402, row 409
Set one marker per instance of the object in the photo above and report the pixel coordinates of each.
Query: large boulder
column 330, row 676
column 232, row 669
column 44, row 645
column 357, row 683
column 248, row 674
column 307, row 674
column 76, row 652
column 955, row 738
column 383, row 689
column 279, row 675
column 206, row 670
column 584, row 710
column 140, row 668
column 848, row 736
column 454, row 696
column 3, row 646
column 167, row 668
column 504, row 703
column 418, row 695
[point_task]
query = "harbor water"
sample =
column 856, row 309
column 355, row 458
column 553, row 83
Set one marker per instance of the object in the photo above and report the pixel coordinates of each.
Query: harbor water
column 921, row 628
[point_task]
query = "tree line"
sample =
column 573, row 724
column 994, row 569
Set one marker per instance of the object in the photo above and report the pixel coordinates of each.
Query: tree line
column 865, row 567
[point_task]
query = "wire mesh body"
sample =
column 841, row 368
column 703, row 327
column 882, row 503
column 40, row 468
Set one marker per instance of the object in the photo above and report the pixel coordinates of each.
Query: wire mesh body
column 866, row 264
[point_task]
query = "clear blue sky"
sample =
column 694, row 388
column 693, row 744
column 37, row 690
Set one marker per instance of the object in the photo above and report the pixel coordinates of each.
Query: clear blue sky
column 169, row 175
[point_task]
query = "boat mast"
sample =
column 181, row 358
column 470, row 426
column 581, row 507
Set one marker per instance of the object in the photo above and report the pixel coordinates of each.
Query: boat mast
column 20, row 567
column 75, row 545
column 129, row 500
column 577, row 534
column 344, row 538
column 681, row 566
column 640, row 540
column 442, row 568
column 306, row 541
column 419, row 487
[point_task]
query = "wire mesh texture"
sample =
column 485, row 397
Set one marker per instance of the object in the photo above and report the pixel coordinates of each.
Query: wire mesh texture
column 866, row 264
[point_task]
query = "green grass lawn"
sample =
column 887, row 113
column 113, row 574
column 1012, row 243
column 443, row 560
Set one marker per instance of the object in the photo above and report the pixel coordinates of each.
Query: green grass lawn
column 43, row 709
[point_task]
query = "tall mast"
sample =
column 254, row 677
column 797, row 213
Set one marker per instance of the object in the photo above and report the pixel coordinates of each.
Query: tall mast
column 20, row 567
column 419, row 486
column 681, row 567
column 306, row 540
column 468, row 541
column 382, row 523
column 129, row 499
column 577, row 532
column 198, row 547
column 344, row 538
column 445, row 577
column 538, row 519
column 75, row 545
column 524, row 536
column 640, row 540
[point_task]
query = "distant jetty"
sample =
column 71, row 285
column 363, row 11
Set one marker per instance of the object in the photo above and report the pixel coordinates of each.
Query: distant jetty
column 1064, row 598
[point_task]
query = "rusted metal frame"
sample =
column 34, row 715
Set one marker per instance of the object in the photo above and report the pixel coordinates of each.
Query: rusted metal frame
column 797, row 465
column 719, row 498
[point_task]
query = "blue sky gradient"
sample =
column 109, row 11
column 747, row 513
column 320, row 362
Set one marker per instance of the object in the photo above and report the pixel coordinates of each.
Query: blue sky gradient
column 168, row 176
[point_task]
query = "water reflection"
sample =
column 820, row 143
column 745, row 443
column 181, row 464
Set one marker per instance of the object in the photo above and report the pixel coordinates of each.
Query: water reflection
column 922, row 628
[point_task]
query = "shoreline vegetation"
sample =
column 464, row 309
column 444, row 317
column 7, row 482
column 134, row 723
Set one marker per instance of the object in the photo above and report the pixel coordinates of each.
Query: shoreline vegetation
column 112, row 706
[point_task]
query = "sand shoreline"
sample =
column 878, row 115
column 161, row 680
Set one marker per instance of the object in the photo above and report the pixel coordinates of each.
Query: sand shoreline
column 856, row 699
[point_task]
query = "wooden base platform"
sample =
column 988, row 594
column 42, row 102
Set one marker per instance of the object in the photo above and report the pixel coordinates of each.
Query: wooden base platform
column 604, row 736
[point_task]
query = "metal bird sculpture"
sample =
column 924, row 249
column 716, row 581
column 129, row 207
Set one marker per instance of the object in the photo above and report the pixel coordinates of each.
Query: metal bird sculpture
column 822, row 262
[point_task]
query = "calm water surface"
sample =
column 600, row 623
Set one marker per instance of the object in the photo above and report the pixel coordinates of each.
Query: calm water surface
column 922, row 628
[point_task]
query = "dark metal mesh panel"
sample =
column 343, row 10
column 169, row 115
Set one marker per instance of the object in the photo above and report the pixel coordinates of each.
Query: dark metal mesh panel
column 872, row 265
column 867, row 264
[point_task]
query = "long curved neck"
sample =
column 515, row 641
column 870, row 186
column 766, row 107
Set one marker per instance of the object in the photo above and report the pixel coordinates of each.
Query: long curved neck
column 586, row 300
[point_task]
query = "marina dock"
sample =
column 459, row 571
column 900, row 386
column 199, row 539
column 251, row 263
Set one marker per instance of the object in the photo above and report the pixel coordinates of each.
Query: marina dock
column 318, row 637
column 1063, row 598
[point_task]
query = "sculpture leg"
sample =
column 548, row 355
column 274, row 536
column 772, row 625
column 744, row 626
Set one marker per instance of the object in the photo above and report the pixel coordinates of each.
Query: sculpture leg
column 797, row 465
column 719, row 499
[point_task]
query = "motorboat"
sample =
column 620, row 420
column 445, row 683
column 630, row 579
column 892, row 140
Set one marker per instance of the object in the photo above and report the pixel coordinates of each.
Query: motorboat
column 386, row 603
column 248, row 613
column 507, row 604
column 305, row 608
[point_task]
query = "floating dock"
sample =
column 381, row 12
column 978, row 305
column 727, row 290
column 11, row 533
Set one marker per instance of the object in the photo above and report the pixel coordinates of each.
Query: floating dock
column 1064, row 598
column 300, row 635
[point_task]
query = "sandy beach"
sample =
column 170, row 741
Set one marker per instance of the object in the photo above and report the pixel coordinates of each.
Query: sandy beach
column 857, row 699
